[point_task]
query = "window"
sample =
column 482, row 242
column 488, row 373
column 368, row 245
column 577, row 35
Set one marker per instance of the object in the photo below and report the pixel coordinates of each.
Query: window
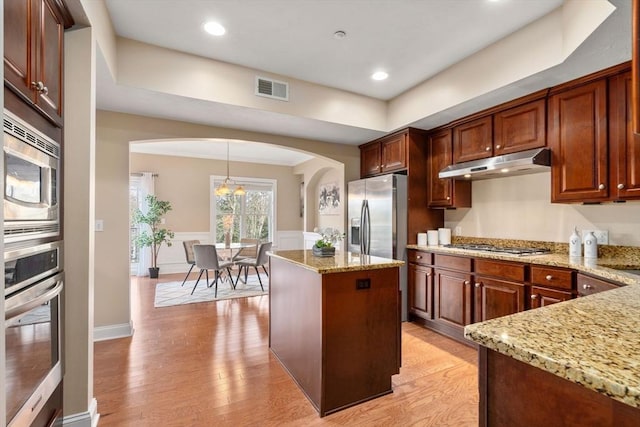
column 250, row 215
column 134, row 202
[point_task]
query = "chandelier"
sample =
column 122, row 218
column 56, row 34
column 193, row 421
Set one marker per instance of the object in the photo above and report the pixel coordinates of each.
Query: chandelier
column 225, row 188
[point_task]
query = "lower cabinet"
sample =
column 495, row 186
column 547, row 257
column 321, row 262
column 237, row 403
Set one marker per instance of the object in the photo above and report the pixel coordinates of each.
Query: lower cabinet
column 448, row 292
column 541, row 297
column 420, row 285
column 453, row 298
column 497, row 298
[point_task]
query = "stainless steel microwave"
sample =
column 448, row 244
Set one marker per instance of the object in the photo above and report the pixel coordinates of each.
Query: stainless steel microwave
column 31, row 176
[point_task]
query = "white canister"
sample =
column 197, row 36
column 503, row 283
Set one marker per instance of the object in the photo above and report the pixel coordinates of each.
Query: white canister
column 422, row 239
column 432, row 237
column 444, row 236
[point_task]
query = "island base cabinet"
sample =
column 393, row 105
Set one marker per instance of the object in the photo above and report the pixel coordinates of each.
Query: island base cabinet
column 516, row 394
column 337, row 334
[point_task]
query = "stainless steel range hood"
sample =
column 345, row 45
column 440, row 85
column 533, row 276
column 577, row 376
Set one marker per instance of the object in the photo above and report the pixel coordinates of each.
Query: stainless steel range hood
column 525, row 162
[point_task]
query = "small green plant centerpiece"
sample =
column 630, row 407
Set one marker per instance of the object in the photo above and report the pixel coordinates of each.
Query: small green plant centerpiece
column 156, row 210
column 325, row 246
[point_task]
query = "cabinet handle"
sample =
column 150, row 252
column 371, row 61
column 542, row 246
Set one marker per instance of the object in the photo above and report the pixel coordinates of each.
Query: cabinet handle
column 478, row 285
column 586, row 286
column 620, row 186
column 40, row 87
column 419, row 257
column 428, row 274
column 466, row 282
column 448, row 198
column 549, row 277
column 601, row 187
column 534, row 296
column 498, row 147
column 487, row 149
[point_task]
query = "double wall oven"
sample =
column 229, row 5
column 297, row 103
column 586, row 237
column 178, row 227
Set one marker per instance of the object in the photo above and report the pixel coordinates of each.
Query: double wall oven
column 33, row 275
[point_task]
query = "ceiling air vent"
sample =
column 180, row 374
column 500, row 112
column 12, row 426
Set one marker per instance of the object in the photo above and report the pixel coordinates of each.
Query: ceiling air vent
column 272, row 89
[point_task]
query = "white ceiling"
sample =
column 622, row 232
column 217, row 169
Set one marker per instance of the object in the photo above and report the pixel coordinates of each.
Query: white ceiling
column 410, row 39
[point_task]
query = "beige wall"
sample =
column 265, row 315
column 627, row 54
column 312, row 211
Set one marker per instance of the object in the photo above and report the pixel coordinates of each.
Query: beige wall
column 185, row 183
column 519, row 207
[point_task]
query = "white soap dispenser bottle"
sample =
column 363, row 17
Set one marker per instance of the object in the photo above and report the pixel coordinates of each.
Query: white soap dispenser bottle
column 575, row 244
column 590, row 245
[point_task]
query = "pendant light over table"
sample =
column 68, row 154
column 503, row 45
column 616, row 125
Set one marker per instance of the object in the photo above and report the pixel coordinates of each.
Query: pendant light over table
column 225, row 188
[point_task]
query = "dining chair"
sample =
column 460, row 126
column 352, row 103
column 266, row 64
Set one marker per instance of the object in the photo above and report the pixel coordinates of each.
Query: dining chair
column 249, row 251
column 260, row 260
column 188, row 253
column 207, row 259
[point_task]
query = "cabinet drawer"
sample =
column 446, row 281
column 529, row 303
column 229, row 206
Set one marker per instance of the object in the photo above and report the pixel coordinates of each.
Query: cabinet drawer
column 553, row 277
column 503, row 269
column 590, row 285
column 420, row 257
column 453, row 262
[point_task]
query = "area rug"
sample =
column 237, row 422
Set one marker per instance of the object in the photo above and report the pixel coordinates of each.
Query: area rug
column 172, row 293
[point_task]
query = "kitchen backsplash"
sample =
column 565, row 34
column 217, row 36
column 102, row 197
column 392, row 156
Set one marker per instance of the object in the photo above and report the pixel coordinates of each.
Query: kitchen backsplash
column 519, row 207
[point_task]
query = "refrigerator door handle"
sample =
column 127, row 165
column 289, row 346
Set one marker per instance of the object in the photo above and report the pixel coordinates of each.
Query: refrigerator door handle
column 367, row 228
column 362, row 226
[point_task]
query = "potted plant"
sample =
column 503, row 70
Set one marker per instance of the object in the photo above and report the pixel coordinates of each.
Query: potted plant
column 325, row 246
column 156, row 210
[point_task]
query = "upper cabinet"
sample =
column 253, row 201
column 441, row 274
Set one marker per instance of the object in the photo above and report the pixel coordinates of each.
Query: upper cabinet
column 520, row 128
column 388, row 154
column 624, row 143
column 444, row 193
column 578, row 140
column 473, row 140
column 33, row 53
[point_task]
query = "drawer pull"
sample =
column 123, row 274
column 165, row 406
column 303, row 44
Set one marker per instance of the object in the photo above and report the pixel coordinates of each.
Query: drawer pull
column 587, row 286
column 534, row 296
column 601, row 187
column 549, row 277
column 620, row 186
column 419, row 257
column 498, row 146
column 466, row 282
column 478, row 285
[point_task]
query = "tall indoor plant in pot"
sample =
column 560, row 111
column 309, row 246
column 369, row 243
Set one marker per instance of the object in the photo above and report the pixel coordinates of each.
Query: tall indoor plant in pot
column 156, row 236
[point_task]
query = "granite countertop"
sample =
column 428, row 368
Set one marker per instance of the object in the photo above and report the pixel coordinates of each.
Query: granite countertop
column 341, row 262
column 609, row 267
column 593, row 341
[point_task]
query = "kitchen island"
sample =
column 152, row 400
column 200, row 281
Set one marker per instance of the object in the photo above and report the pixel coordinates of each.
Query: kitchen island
column 575, row 363
column 334, row 324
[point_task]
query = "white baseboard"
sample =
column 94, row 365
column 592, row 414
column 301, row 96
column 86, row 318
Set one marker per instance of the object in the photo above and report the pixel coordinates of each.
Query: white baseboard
column 109, row 332
column 84, row 419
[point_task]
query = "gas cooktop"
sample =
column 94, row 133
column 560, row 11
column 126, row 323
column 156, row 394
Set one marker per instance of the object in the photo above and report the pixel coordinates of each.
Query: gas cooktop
column 500, row 249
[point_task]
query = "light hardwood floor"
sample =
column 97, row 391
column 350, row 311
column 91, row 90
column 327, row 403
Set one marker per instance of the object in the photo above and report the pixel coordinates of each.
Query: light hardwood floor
column 209, row 364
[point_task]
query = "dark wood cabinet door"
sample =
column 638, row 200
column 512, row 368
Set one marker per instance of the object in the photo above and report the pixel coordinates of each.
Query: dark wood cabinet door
column 590, row 285
column 420, row 291
column 624, row 144
column 50, row 61
column 393, row 153
column 18, row 46
column 541, row 297
column 370, row 159
column 473, row 140
column 520, row 128
column 452, row 298
column 578, row 139
column 444, row 193
column 497, row 298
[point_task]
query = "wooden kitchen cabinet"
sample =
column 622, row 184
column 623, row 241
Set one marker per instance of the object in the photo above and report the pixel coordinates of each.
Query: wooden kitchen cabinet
column 420, row 284
column 473, row 140
column 590, row 285
column 388, row 154
column 453, row 302
column 444, row 193
column 520, row 128
column 499, row 288
column 542, row 297
column 624, row 144
column 33, row 53
column 577, row 137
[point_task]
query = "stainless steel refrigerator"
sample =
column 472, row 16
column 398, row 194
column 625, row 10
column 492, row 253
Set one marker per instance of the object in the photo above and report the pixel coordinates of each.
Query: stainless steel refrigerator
column 378, row 221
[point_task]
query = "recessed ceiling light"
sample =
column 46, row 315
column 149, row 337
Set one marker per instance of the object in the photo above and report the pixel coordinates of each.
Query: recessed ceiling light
column 214, row 28
column 379, row 75
column 339, row 34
